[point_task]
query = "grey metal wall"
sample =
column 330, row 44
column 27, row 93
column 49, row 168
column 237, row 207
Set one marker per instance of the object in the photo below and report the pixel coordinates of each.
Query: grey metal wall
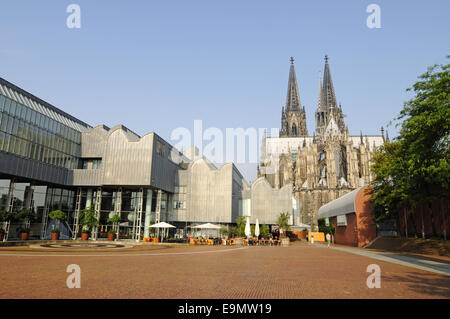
column 164, row 168
column 26, row 168
column 127, row 159
column 209, row 197
column 268, row 203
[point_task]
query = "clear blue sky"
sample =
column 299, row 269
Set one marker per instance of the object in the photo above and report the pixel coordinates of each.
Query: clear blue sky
column 158, row 65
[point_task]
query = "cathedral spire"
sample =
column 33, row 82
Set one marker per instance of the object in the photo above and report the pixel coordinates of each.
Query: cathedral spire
column 319, row 103
column 328, row 95
column 293, row 116
column 328, row 103
column 293, row 97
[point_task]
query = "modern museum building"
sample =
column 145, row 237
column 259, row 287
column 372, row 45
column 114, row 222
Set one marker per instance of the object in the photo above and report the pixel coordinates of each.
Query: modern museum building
column 50, row 160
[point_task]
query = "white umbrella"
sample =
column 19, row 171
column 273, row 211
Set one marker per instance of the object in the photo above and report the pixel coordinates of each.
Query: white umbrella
column 247, row 228
column 162, row 225
column 257, row 228
column 207, row 226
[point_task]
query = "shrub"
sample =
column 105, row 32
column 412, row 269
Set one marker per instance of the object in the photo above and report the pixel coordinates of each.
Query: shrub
column 58, row 215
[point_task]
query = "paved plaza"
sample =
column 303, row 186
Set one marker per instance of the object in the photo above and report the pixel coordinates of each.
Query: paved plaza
column 178, row 271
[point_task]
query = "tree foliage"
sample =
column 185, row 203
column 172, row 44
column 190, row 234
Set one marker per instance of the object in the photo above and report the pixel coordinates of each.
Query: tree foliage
column 324, row 228
column 88, row 219
column 283, row 221
column 414, row 169
column 240, row 221
column 58, row 215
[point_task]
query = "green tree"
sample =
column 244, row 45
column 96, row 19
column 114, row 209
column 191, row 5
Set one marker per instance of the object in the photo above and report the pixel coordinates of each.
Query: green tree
column 240, row 221
column 283, row 222
column 233, row 231
column 5, row 216
column 27, row 215
column 264, row 230
column 115, row 220
column 414, row 169
column 224, row 231
column 324, row 228
column 59, row 216
column 88, row 219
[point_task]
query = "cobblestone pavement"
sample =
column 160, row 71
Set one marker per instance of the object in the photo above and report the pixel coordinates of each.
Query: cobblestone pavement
column 298, row 271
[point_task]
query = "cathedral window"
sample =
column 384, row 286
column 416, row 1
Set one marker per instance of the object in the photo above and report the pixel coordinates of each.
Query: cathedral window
column 294, row 130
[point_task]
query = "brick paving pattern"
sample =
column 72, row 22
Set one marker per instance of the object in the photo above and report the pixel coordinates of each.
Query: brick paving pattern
column 298, row 271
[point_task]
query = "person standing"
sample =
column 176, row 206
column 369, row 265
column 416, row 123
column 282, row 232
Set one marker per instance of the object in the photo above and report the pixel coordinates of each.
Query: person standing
column 328, row 236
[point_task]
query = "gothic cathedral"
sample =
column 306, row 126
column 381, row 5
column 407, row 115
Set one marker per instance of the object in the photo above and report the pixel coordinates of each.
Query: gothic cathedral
column 321, row 167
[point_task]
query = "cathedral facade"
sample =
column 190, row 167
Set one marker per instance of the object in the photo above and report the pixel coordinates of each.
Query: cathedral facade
column 321, row 167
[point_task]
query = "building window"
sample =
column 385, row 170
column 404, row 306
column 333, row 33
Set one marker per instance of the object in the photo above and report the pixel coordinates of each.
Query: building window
column 180, row 189
column 179, row 204
column 160, row 148
column 92, row 163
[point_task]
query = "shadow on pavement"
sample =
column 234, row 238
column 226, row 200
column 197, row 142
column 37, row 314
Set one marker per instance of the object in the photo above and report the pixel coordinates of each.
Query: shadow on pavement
column 432, row 285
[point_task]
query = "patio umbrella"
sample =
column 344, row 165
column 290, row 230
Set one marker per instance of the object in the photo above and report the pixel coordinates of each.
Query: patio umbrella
column 207, row 226
column 257, row 228
column 162, row 225
column 247, row 228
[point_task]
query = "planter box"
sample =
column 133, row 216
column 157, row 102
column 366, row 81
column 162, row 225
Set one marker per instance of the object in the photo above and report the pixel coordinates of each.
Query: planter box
column 285, row 241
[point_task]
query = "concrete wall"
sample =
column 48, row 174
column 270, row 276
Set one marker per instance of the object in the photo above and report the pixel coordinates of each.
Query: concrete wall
column 209, row 192
column 268, row 203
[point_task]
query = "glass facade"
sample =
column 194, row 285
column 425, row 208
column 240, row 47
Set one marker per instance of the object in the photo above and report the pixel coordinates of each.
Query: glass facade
column 32, row 130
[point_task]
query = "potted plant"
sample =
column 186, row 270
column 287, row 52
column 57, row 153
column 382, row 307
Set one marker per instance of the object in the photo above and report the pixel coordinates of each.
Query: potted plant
column 55, row 234
column 26, row 215
column 283, row 225
column 59, row 216
column 2, row 234
column 111, row 234
column 24, row 233
column 89, row 221
column 115, row 220
column 85, row 233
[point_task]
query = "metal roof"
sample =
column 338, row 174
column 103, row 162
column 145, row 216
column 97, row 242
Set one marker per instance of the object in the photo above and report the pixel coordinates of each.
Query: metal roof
column 340, row 206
